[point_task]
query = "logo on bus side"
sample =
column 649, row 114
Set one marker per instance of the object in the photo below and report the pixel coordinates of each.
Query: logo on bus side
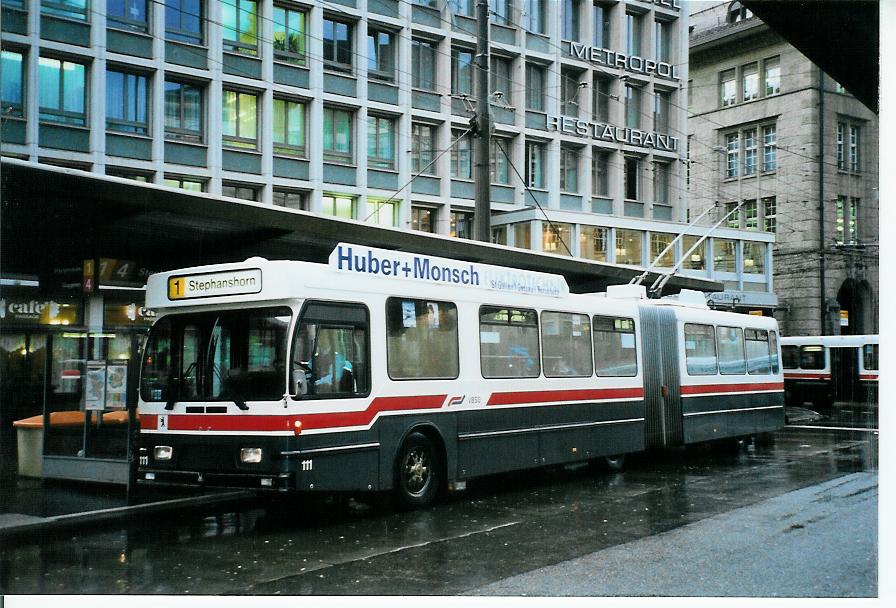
column 381, row 262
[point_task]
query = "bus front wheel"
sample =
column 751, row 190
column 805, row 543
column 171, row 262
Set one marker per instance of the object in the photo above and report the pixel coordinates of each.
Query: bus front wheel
column 418, row 471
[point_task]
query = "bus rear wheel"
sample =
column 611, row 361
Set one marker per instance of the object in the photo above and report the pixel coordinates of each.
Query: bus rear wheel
column 615, row 463
column 418, row 472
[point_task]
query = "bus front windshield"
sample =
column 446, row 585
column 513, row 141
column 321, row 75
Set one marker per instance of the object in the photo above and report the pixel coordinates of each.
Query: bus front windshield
column 230, row 355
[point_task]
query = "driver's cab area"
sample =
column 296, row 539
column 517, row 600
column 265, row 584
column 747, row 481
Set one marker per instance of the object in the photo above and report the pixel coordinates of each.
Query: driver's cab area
column 331, row 352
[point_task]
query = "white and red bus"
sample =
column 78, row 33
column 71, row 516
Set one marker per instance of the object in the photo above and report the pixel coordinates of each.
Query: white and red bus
column 822, row 370
column 385, row 370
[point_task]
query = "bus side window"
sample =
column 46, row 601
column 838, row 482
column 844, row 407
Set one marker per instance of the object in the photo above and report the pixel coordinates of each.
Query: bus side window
column 330, row 351
column 869, row 357
column 791, row 356
column 700, row 349
column 773, row 351
column 812, row 357
column 615, row 351
column 508, row 342
column 757, row 351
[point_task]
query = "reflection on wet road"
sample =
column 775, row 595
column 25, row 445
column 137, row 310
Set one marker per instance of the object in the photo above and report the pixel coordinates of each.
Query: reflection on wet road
column 500, row 527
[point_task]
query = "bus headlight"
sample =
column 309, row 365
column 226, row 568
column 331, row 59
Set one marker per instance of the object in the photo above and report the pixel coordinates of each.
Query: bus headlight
column 250, row 455
column 162, row 452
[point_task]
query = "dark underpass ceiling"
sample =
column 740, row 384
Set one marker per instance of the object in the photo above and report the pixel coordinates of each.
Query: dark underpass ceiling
column 842, row 37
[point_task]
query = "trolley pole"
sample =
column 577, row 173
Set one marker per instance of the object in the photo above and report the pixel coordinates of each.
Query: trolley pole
column 482, row 210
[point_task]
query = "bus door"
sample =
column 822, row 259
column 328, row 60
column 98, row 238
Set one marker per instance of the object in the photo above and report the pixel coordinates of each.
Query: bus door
column 662, row 387
column 845, row 373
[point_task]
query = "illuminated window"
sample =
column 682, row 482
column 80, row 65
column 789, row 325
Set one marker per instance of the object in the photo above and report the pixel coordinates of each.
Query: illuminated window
column 239, row 26
column 628, row 246
column 338, row 206
column 290, row 34
column 289, row 127
column 62, row 91
column 593, row 243
column 239, row 119
column 555, row 238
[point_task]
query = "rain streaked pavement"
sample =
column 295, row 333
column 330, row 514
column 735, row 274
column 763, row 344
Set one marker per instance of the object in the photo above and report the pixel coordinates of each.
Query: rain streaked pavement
column 793, row 514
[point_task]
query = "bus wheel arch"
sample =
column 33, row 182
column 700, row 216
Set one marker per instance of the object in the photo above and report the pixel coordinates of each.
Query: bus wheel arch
column 420, row 467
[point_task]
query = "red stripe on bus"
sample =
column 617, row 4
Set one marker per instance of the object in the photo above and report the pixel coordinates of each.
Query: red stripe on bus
column 807, row 376
column 868, row 377
column 519, row 398
column 326, row 420
column 697, row 389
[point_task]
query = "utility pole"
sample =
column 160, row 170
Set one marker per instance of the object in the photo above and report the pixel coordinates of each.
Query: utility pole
column 482, row 216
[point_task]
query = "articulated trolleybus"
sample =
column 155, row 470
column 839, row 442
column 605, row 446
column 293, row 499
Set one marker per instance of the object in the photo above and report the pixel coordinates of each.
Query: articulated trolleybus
column 823, row 370
column 385, row 370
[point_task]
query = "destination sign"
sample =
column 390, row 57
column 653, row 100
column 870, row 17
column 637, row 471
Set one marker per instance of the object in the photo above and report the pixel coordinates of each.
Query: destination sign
column 213, row 284
column 370, row 261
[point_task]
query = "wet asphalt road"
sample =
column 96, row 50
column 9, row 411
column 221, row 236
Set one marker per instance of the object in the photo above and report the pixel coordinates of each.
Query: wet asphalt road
column 518, row 534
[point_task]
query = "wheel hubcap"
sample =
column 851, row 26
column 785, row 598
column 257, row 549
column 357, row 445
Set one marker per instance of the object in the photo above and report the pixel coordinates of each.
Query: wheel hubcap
column 416, row 471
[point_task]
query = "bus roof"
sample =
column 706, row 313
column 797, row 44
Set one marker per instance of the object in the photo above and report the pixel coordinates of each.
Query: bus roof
column 831, row 341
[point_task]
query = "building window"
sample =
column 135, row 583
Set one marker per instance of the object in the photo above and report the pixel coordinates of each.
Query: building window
column 338, row 206
column 659, row 241
column 127, row 15
column 772, row 76
column 696, row 254
column 247, row 193
column 732, row 152
column 462, row 7
column 854, row 157
column 137, row 176
column 461, row 72
column 423, row 148
column 628, row 247
column 632, row 107
column 662, row 111
column 769, row 148
column 600, row 92
column 750, row 151
column 500, row 164
column 569, row 169
column 661, row 183
column 289, row 127
column 290, row 34
column 738, row 12
column 593, row 243
column 338, row 136
column 381, row 54
column 499, row 11
column 462, row 224
column 754, row 257
column 239, row 26
column 337, row 45
column 841, row 142
column 127, row 101
column 847, row 214
column 663, row 40
column 533, row 16
column 239, row 119
column 724, row 255
column 569, row 93
column 184, row 183
column 732, row 212
column 600, row 180
column 770, row 214
column 501, row 78
column 633, row 34
column 183, row 20
column 751, row 215
column 70, row 9
column 499, row 235
column 601, row 14
column 632, row 178
column 750, row 81
column 62, row 92
column 12, row 85
column 556, row 238
column 380, row 142
column 183, row 111
column 423, row 219
column 535, row 160
column 461, row 156
column 570, row 16
column 290, row 199
column 727, row 88
column 535, row 87
column 522, row 235
column 382, row 213
column 423, row 65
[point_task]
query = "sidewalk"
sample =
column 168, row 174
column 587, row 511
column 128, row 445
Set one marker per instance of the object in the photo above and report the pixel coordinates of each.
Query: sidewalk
column 29, row 506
